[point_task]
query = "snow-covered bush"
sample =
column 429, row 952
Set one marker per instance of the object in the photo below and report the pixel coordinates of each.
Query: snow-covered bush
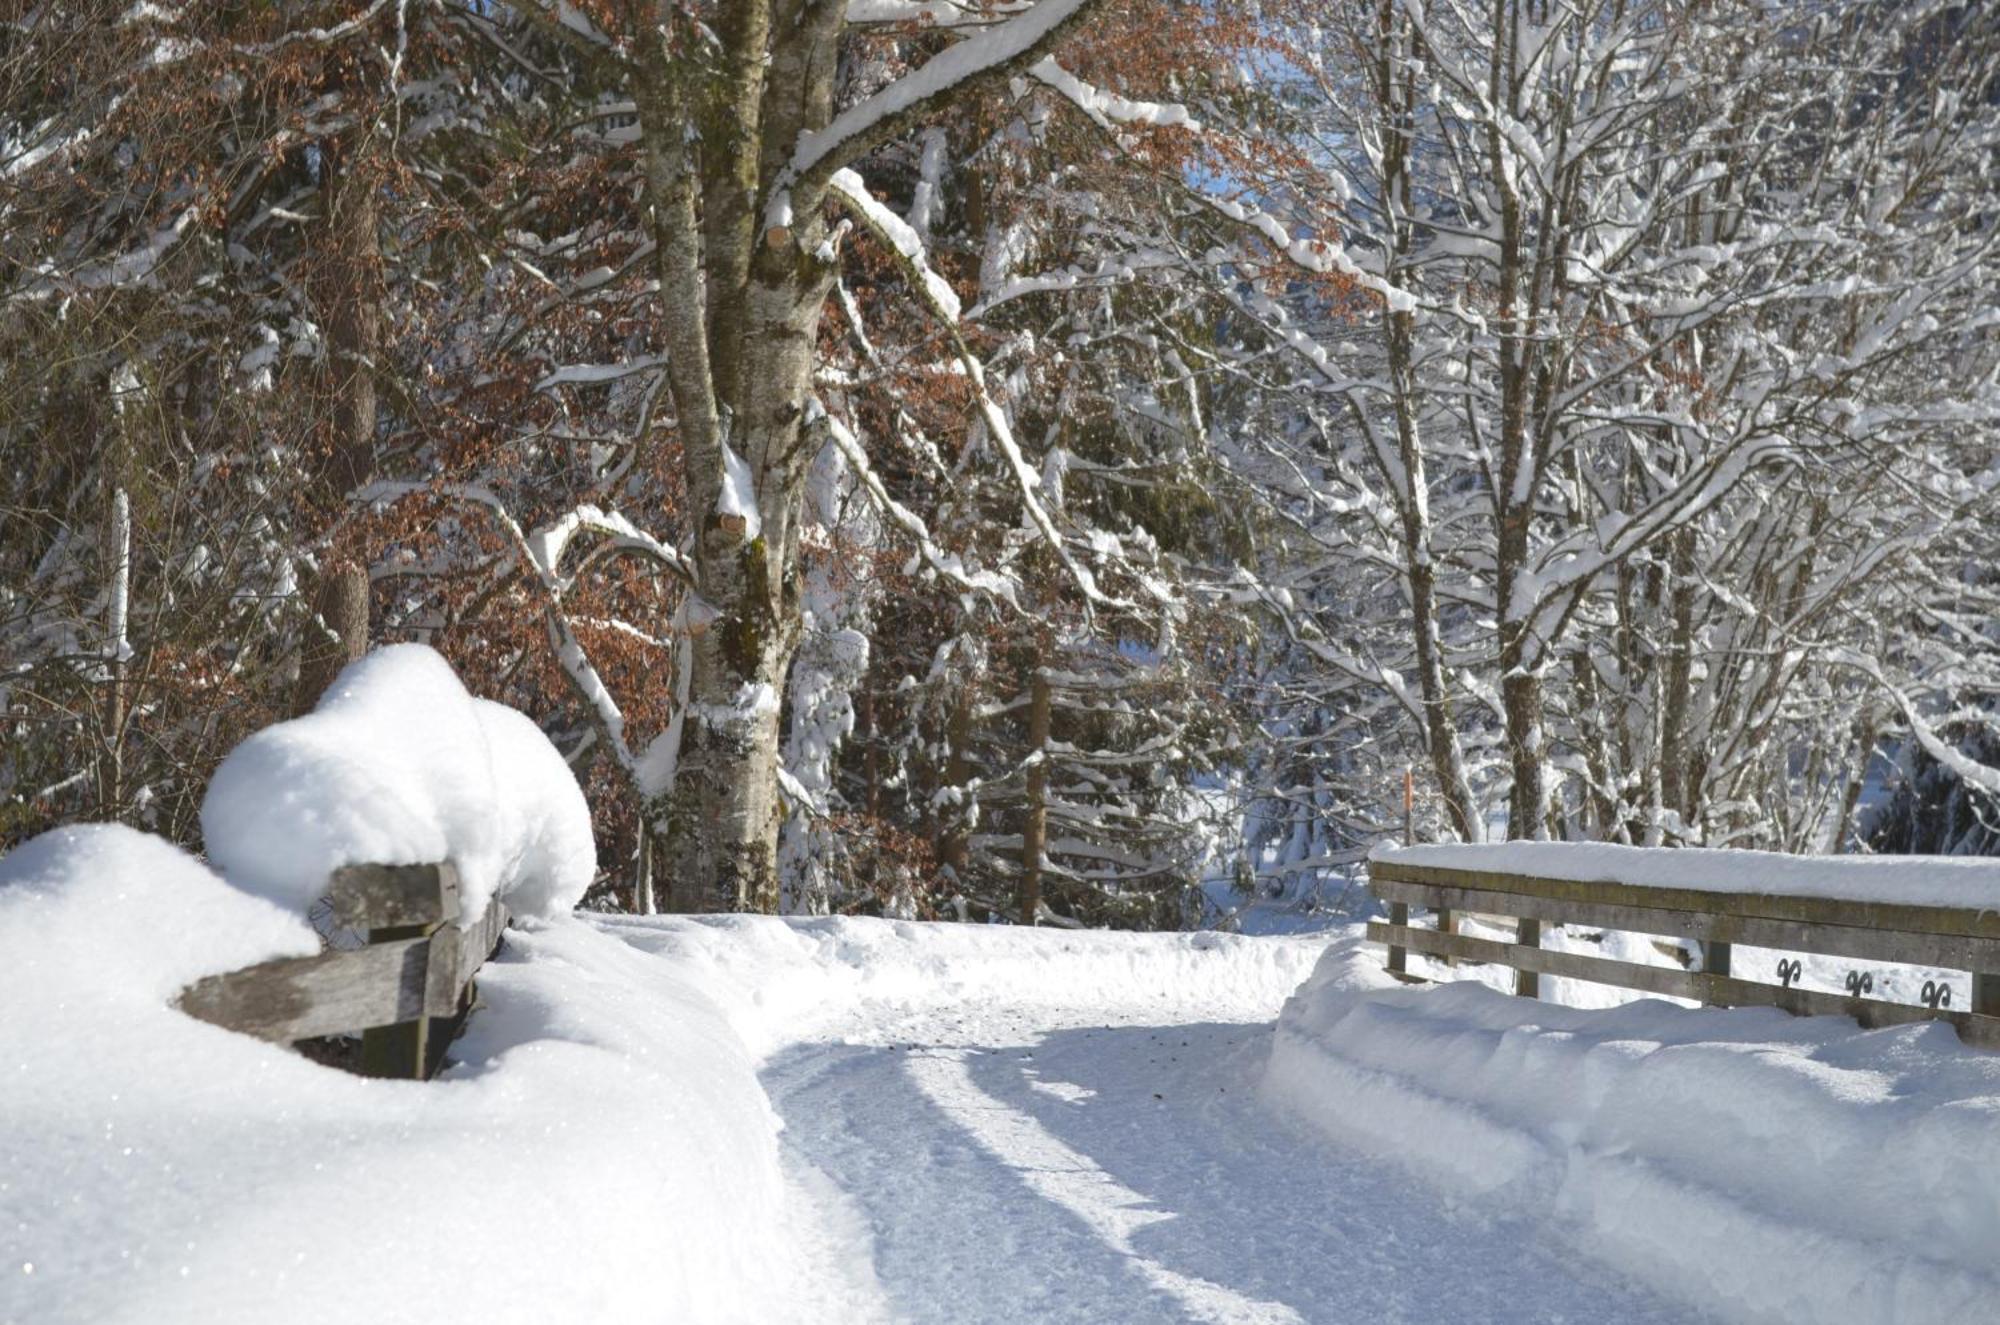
column 400, row 766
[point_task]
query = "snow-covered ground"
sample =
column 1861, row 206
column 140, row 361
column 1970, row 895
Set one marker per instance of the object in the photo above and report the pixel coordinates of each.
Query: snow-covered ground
column 1757, row 1166
column 999, row 1125
column 603, row 1152
column 839, row 1120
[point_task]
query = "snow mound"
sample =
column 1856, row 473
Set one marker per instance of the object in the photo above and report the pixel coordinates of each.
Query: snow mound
column 603, row 1152
column 1759, row 1166
column 400, row 766
column 1968, row 881
column 126, row 920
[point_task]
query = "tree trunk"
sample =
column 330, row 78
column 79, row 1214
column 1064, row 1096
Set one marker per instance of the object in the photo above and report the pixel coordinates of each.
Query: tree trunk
column 1677, row 787
column 742, row 283
column 350, row 306
column 1521, row 686
column 347, row 295
column 723, row 815
column 955, row 846
column 1035, row 828
column 117, row 550
column 1395, row 79
column 871, row 758
column 337, row 635
column 1440, row 726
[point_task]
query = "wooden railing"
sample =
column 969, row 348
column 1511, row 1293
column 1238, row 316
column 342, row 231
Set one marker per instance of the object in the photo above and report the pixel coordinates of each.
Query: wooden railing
column 406, row 993
column 1954, row 938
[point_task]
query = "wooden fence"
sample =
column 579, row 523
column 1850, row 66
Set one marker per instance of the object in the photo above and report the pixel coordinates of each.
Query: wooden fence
column 406, row 993
column 1959, row 939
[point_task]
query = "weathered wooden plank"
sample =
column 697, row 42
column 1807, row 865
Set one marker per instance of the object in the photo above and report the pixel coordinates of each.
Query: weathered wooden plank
column 397, row 1053
column 393, row 896
column 410, row 981
column 1963, row 921
column 1399, row 914
column 415, row 1048
column 478, row 941
column 297, row 998
column 1715, row 925
column 1701, row 986
column 336, row 993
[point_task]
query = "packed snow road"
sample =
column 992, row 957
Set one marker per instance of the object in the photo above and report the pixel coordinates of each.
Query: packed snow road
column 991, row 1125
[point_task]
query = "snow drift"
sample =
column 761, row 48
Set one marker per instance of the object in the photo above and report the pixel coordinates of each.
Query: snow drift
column 400, row 766
column 603, row 1152
column 1759, row 1166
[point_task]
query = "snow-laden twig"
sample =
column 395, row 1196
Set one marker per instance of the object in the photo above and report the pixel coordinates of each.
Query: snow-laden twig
column 848, row 187
column 1109, row 109
column 861, row 127
column 947, row 564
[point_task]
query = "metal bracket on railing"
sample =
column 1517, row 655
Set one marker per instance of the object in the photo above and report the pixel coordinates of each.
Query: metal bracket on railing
column 1860, row 982
column 1789, row 970
column 1936, row 994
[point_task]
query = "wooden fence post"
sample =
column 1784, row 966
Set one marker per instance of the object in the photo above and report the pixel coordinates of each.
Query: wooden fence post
column 1399, row 914
column 1528, row 933
column 396, row 902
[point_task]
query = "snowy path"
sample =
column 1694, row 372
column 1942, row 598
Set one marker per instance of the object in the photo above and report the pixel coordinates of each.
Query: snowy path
column 994, row 1162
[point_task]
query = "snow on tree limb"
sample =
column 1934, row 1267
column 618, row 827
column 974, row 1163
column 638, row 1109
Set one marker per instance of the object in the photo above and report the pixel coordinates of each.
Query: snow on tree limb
column 894, row 231
column 932, row 13
column 944, row 563
column 993, row 52
column 542, row 550
column 1968, row 770
column 848, row 187
column 1108, row 109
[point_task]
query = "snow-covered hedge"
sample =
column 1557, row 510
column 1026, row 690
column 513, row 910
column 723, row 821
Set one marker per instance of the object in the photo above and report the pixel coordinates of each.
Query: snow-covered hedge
column 400, row 766
column 1760, row 1166
column 604, row 1153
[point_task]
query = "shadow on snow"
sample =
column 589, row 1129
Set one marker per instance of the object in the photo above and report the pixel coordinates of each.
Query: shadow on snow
column 1131, row 1174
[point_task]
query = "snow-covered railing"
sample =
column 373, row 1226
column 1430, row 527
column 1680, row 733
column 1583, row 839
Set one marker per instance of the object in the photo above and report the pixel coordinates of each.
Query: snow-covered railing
column 406, row 993
column 1939, row 914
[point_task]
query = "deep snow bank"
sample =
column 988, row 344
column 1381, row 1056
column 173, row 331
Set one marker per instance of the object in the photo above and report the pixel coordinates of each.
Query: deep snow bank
column 604, row 1153
column 1762, row 1167
column 794, row 980
column 400, row 766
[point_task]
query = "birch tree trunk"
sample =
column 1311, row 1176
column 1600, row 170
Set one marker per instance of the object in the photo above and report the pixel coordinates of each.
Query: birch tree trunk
column 746, row 261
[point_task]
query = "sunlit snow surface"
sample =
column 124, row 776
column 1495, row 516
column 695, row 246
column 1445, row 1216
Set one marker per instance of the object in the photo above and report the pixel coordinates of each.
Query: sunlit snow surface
column 1009, row 1126
column 979, row 1124
column 1758, row 1166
